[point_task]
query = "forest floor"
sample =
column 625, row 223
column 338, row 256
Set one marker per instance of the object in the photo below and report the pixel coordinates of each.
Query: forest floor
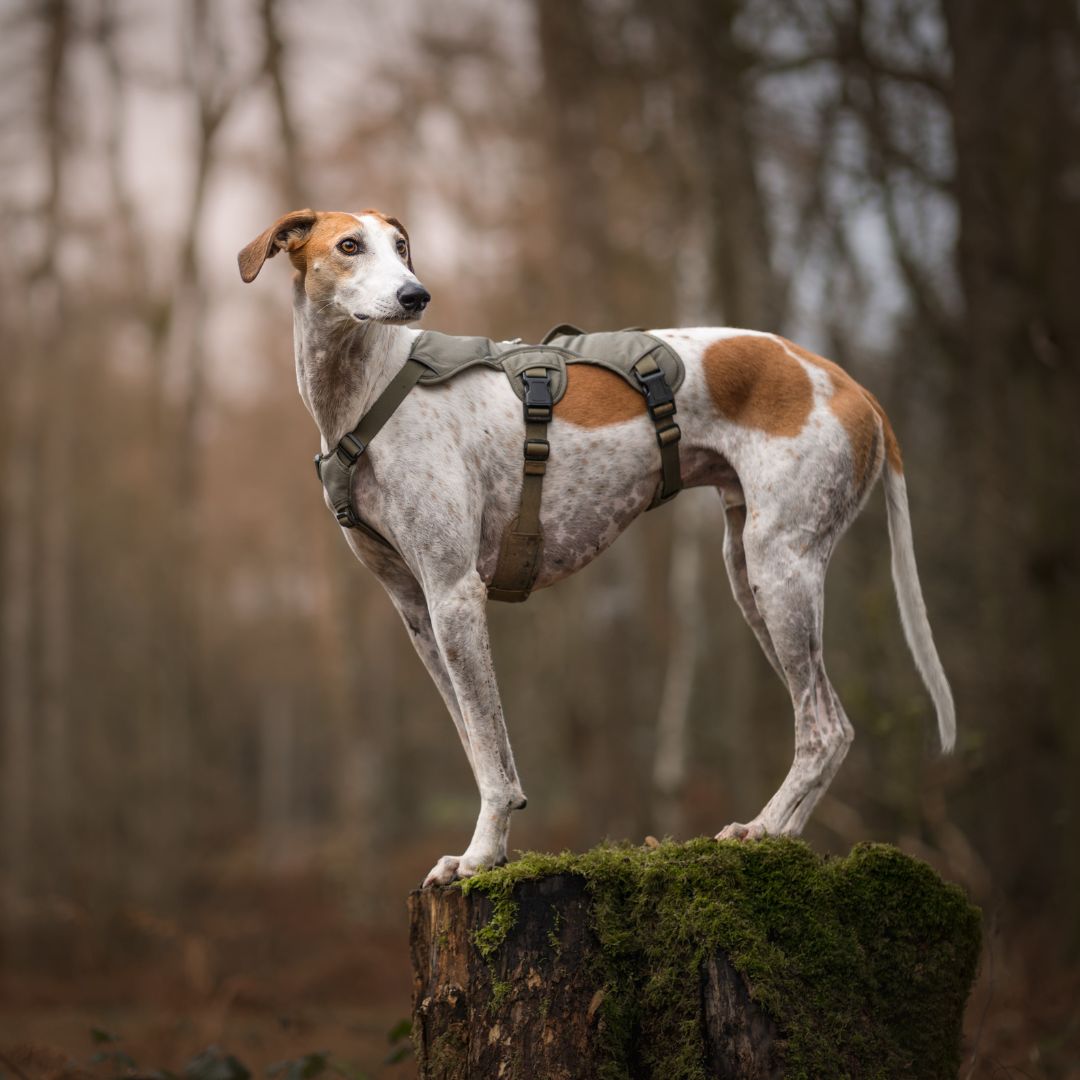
column 267, row 970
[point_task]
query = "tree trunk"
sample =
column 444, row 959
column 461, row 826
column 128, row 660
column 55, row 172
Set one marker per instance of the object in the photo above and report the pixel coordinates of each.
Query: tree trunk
column 696, row 960
column 538, row 1012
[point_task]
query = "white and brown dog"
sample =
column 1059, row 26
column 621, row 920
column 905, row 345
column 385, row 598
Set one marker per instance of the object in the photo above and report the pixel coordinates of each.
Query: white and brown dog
column 792, row 443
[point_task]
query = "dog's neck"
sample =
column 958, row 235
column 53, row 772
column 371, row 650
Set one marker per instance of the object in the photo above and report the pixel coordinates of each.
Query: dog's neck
column 343, row 366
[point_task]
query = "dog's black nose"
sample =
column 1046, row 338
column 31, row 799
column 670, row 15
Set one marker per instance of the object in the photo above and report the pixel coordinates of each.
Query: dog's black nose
column 413, row 297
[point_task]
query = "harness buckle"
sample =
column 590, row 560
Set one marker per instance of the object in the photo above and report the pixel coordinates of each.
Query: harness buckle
column 347, row 453
column 318, row 466
column 659, row 397
column 538, row 403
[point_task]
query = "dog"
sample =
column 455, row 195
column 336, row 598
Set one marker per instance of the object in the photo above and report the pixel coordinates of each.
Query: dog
column 791, row 442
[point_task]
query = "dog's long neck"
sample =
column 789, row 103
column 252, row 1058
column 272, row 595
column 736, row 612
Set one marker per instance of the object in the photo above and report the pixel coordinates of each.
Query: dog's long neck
column 342, row 366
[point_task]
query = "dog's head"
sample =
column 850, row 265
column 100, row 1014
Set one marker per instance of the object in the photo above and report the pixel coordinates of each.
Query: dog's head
column 355, row 266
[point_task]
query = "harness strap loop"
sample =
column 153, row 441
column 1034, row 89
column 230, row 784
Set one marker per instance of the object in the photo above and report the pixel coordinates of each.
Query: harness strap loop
column 523, row 541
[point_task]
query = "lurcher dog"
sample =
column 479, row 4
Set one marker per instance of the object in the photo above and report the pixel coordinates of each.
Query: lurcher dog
column 792, row 443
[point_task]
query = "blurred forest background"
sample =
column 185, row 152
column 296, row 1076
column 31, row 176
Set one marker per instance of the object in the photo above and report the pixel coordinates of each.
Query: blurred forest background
column 221, row 765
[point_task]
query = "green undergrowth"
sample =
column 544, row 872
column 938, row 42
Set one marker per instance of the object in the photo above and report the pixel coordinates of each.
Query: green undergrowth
column 864, row 962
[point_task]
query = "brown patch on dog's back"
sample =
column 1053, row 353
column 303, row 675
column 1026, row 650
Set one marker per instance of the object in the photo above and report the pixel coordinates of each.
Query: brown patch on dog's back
column 753, row 381
column 596, row 397
column 858, row 412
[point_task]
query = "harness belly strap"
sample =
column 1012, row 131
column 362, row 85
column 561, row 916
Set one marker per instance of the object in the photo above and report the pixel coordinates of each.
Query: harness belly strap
column 660, row 401
column 523, row 541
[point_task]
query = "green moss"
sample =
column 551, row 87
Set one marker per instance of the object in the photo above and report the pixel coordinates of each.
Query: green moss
column 554, row 940
column 449, row 1053
column 503, row 916
column 864, row 962
column 500, row 988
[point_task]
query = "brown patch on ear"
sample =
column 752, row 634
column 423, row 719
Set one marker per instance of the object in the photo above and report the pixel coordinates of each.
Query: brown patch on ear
column 286, row 234
column 596, row 397
column 856, row 409
column 754, row 382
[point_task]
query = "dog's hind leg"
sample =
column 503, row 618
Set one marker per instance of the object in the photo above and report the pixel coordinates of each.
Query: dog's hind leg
column 735, row 561
column 459, row 619
column 787, row 579
column 797, row 822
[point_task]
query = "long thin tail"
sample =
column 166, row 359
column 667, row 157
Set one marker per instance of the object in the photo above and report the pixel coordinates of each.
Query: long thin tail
column 909, row 595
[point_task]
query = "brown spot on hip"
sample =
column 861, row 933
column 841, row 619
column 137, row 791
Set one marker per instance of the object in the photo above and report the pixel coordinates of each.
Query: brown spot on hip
column 596, row 397
column 755, row 382
column 858, row 412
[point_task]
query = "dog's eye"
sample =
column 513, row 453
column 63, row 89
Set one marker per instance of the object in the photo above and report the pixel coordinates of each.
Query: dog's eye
column 348, row 246
column 402, row 248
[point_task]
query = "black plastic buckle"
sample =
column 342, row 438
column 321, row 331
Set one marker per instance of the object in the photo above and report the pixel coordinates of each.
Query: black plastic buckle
column 538, row 403
column 350, row 455
column 659, row 397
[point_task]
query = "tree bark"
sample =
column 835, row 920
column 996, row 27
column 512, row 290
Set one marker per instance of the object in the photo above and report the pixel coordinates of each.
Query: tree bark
column 535, row 1009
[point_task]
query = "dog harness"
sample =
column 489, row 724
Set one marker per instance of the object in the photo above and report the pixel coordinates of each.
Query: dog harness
column 537, row 374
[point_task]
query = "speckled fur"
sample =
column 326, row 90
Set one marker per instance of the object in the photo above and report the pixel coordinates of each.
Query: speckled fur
column 443, row 479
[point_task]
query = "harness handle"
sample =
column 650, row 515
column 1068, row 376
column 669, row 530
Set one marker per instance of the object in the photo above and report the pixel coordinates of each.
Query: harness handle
column 558, row 331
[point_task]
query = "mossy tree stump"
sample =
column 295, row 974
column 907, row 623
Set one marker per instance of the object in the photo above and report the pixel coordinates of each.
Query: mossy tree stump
column 691, row 961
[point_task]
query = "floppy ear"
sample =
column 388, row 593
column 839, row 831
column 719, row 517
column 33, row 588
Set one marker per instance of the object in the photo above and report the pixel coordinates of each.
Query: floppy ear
column 408, row 243
column 286, row 234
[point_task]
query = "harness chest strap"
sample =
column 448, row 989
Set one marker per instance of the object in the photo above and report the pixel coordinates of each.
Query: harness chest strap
column 335, row 469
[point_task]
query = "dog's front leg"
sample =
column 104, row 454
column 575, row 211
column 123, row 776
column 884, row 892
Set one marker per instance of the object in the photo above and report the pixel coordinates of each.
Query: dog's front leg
column 408, row 598
column 459, row 619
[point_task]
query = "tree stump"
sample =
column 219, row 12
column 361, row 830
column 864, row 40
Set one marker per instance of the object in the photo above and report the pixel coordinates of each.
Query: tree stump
column 692, row 961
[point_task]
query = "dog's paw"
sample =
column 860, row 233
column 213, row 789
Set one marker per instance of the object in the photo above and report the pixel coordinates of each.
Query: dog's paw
column 455, row 867
column 737, row 831
column 444, row 871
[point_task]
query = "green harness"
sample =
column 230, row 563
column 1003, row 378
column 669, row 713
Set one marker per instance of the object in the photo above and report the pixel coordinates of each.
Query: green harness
column 537, row 374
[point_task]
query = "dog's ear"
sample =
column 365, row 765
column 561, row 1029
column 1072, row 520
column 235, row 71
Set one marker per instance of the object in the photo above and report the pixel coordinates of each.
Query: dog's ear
column 286, row 234
column 408, row 244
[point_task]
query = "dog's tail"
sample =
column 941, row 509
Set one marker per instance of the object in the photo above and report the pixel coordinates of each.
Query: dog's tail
column 909, row 595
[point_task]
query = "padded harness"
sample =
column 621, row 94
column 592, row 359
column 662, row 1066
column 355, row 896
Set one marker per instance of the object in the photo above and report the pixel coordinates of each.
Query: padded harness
column 537, row 374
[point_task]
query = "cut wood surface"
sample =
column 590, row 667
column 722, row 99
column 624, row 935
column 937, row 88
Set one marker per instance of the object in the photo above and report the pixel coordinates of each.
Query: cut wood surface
column 691, row 961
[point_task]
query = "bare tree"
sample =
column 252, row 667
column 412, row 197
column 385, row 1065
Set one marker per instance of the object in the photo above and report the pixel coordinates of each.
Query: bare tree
column 293, row 186
column 55, row 362
column 39, row 400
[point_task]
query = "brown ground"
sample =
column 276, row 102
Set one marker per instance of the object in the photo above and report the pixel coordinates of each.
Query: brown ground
column 267, row 971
